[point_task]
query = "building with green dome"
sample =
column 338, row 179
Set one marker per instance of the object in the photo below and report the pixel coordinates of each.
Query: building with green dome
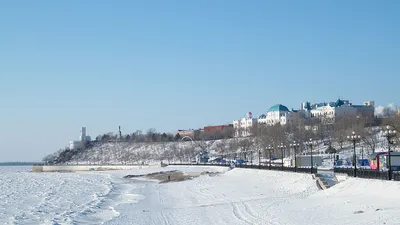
column 276, row 114
column 329, row 112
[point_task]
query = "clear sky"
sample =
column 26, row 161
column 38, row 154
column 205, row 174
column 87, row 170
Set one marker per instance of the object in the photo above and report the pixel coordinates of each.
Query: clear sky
column 182, row 64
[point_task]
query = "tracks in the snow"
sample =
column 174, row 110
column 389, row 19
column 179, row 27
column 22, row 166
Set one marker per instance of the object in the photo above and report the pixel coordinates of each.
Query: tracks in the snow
column 240, row 209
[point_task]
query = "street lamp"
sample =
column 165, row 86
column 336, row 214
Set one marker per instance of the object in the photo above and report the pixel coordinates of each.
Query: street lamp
column 270, row 148
column 310, row 144
column 282, row 147
column 389, row 133
column 295, row 146
column 354, row 138
column 259, row 157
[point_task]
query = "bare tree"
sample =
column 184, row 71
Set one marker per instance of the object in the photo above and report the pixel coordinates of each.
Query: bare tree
column 189, row 152
column 342, row 128
column 222, row 147
column 370, row 138
column 254, row 130
column 277, row 135
column 175, row 151
column 388, row 112
column 245, row 144
column 204, row 145
column 260, row 145
column 393, row 121
column 233, row 147
column 151, row 135
column 167, row 155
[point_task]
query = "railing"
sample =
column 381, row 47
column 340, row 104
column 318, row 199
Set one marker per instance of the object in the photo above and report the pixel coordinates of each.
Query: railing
column 262, row 167
column 367, row 173
column 196, row 164
column 361, row 172
column 396, row 176
column 91, row 164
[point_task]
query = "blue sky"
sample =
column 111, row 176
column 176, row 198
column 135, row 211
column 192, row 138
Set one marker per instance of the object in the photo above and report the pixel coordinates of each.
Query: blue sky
column 182, row 64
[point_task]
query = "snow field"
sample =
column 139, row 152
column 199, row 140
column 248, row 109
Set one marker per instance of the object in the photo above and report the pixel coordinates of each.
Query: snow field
column 238, row 196
column 50, row 198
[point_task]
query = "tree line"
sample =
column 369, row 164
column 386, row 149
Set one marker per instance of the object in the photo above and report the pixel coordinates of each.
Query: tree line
column 153, row 136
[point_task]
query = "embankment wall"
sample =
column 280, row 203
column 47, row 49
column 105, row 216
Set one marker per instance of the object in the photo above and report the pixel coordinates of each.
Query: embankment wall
column 72, row 168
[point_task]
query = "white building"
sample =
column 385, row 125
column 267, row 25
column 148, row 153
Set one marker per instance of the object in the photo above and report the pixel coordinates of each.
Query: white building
column 75, row 144
column 244, row 127
column 276, row 114
column 82, row 139
column 328, row 112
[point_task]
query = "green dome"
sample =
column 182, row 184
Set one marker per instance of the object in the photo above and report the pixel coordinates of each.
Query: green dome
column 278, row 107
column 339, row 103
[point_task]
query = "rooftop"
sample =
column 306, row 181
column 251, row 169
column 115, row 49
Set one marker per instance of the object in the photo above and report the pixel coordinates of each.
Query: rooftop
column 278, row 107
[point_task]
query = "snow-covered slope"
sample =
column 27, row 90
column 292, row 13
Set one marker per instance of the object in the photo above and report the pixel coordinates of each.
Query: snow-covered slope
column 238, row 196
column 354, row 201
column 126, row 152
column 244, row 196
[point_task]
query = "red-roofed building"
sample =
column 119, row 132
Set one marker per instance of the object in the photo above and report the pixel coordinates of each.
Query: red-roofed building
column 219, row 131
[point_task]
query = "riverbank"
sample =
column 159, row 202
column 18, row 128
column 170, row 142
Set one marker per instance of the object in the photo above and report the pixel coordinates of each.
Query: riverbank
column 74, row 168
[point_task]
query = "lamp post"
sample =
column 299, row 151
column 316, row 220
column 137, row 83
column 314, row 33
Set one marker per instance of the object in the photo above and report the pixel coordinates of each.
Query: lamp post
column 354, row 138
column 270, row 148
column 282, row 147
column 310, row 144
column 295, row 146
column 389, row 133
column 259, row 159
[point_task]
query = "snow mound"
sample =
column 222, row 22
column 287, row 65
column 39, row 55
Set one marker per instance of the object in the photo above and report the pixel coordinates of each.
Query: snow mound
column 354, row 201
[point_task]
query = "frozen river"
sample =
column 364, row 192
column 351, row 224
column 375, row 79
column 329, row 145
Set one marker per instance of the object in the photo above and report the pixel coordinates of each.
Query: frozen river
column 239, row 196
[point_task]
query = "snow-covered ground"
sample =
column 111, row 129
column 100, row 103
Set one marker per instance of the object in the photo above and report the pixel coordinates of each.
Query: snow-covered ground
column 238, row 196
column 49, row 198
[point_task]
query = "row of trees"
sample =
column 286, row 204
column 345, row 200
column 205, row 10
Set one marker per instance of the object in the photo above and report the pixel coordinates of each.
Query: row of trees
column 150, row 136
column 153, row 136
column 334, row 135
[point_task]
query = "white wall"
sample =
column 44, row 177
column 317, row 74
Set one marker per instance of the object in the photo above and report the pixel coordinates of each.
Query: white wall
column 277, row 117
column 244, row 126
column 93, row 167
column 75, row 144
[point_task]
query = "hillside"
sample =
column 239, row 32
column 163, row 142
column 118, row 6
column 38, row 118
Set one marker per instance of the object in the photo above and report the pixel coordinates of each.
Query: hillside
column 129, row 153
column 150, row 152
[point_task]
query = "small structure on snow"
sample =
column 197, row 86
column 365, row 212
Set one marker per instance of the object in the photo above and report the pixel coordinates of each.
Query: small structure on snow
column 202, row 157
